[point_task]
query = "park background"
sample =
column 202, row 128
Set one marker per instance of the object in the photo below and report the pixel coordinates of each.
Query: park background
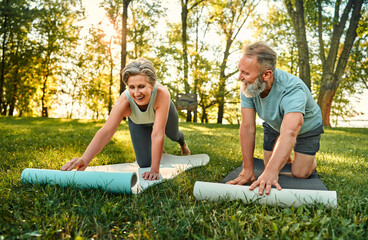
column 63, row 59
column 54, row 65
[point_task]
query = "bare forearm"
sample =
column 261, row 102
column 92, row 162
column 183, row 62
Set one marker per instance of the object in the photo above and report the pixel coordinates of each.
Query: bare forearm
column 281, row 152
column 157, row 147
column 290, row 127
column 97, row 144
column 247, row 138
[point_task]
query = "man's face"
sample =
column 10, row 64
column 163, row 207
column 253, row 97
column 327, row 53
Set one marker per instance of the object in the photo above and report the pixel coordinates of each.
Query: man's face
column 252, row 82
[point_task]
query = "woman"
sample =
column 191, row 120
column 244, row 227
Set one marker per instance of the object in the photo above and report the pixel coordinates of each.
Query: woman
column 151, row 114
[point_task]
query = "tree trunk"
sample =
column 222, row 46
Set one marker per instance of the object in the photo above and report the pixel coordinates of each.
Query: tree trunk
column 124, row 43
column 2, row 77
column 231, row 26
column 109, row 107
column 320, row 35
column 43, row 98
column 14, row 94
column 326, row 95
column 184, row 18
column 222, row 82
column 297, row 17
column 204, row 117
column 332, row 75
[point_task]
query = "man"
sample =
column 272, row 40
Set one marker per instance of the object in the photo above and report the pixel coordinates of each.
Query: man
column 292, row 119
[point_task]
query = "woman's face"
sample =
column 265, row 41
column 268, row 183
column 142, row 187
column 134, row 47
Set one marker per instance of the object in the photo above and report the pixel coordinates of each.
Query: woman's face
column 140, row 89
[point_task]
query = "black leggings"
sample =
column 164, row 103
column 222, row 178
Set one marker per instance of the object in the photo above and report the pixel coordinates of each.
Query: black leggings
column 141, row 136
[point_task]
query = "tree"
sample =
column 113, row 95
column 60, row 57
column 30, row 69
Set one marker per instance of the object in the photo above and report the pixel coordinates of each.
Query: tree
column 112, row 11
column 276, row 29
column 144, row 19
column 203, row 67
column 56, row 31
column 17, row 52
column 230, row 16
column 112, row 8
column 355, row 78
column 124, row 42
column 186, row 7
column 335, row 63
column 73, row 82
column 334, row 58
column 136, row 29
column 297, row 17
column 5, row 30
column 99, row 65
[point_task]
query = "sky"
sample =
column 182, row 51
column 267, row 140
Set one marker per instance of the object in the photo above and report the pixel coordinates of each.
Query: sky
column 95, row 14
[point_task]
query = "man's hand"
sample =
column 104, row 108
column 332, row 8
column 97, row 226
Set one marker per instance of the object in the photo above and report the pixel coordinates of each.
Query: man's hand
column 266, row 180
column 151, row 175
column 243, row 178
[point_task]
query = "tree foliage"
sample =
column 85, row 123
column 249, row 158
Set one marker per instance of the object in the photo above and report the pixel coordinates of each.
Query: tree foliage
column 335, row 52
column 230, row 17
column 46, row 64
column 35, row 37
column 333, row 43
column 18, row 57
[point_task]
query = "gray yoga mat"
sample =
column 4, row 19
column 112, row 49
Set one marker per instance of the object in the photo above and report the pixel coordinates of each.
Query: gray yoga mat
column 285, row 179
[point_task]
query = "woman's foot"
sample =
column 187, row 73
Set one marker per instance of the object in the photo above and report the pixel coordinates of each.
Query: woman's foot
column 184, row 150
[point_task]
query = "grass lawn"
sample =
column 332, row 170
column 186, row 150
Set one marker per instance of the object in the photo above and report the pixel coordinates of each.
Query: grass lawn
column 169, row 210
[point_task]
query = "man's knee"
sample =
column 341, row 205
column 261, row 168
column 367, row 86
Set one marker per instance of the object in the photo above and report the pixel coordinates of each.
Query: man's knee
column 300, row 173
column 303, row 165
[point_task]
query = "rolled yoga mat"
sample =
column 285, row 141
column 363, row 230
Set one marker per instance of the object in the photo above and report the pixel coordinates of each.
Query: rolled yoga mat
column 118, row 178
column 111, row 182
column 283, row 198
column 295, row 191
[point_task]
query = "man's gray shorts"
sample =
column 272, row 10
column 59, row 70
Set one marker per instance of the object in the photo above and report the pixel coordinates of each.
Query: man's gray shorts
column 306, row 143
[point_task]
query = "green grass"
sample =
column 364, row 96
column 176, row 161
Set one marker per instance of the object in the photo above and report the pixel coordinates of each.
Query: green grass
column 169, row 210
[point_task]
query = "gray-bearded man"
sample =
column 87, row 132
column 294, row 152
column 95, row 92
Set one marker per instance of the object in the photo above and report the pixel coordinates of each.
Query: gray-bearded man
column 292, row 119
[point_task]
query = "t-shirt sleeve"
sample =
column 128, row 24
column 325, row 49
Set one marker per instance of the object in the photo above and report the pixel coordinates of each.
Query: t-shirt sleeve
column 246, row 102
column 294, row 100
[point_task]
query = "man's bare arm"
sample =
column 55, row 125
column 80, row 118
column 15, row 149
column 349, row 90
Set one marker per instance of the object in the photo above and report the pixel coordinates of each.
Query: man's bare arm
column 289, row 130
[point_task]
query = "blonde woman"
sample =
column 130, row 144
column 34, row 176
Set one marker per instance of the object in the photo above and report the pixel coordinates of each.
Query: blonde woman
column 151, row 114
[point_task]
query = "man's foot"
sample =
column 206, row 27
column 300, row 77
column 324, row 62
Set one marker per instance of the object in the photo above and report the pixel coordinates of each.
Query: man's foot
column 184, row 150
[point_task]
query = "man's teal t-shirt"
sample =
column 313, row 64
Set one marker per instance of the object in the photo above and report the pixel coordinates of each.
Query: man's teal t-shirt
column 288, row 94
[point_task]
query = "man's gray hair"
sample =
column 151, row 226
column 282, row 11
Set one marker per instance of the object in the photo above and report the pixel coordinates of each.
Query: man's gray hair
column 140, row 66
column 266, row 56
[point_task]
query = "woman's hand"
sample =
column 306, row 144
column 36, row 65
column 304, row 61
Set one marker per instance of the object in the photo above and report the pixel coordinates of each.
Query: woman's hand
column 78, row 163
column 151, row 175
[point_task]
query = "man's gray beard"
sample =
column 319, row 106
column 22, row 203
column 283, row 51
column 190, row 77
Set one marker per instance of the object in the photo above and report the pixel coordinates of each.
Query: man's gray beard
column 253, row 89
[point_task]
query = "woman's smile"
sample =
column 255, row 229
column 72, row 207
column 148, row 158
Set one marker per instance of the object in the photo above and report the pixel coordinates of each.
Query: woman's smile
column 140, row 89
column 139, row 98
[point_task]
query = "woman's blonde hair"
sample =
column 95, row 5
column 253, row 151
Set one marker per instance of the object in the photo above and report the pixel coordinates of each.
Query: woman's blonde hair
column 140, row 66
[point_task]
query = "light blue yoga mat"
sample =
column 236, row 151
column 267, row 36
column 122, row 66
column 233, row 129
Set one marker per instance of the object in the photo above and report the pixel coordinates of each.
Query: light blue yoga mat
column 109, row 181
